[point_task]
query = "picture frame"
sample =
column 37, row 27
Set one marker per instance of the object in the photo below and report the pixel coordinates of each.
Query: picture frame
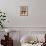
column 23, row 10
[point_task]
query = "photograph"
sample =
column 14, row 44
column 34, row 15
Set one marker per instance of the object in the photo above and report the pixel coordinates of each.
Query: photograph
column 22, row 22
column 23, row 10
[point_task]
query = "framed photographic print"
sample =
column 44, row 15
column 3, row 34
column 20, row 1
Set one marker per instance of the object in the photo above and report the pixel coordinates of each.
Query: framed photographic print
column 24, row 11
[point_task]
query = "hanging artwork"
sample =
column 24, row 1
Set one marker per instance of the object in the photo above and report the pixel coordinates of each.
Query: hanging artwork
column 24, row 11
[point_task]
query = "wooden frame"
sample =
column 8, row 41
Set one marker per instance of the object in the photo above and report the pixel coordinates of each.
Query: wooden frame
column 23, row 10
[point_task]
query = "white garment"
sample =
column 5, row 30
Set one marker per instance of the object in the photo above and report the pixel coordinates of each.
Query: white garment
column 27, row 44
column 1, row 45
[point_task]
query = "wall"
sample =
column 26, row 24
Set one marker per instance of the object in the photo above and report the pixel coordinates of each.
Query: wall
column 36, row 13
